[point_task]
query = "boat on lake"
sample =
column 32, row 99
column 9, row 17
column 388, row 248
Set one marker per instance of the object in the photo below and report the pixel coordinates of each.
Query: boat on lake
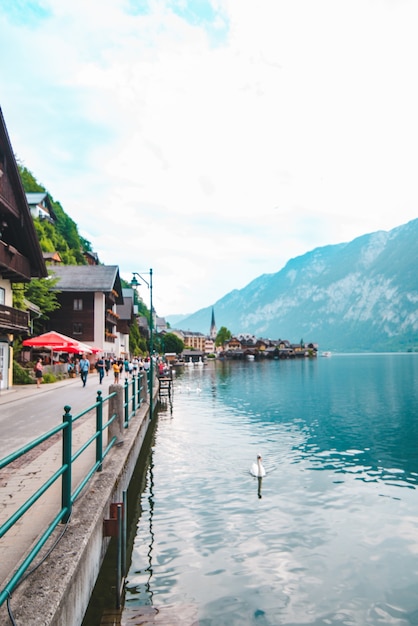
column 327, row 353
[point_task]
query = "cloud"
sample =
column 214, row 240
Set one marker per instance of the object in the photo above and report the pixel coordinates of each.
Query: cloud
column 213, row 141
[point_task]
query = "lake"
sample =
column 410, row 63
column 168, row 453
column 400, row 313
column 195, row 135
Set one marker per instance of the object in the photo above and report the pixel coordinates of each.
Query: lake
column 329, row 536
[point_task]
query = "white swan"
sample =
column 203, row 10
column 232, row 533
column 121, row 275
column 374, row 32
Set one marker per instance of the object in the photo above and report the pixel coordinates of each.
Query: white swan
column 257, row 469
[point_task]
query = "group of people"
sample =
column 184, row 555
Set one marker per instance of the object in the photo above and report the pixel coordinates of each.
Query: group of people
column 127, row 368
column 120, row 368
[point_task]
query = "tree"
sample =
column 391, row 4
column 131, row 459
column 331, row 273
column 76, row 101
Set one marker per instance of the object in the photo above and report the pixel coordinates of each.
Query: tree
column 39, row 292
column 63, row 235
column 223, row 335
column 137, row 343
column 172, row 343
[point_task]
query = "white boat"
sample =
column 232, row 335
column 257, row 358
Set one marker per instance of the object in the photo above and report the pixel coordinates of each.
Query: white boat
column 327, row 353
column 250, row 357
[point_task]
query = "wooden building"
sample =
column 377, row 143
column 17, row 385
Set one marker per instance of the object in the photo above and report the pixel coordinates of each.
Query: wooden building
column 88, row 295
column 20, row 253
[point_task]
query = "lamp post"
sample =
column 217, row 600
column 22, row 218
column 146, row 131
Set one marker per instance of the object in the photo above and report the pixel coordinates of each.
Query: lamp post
column 135, row 283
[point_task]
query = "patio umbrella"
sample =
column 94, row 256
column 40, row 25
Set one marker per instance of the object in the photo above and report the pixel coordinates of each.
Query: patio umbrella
column 49, row 340
column 76, row 348
column 57, row 342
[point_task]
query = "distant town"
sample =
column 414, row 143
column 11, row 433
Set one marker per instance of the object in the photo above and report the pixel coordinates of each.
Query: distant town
column 198, row 346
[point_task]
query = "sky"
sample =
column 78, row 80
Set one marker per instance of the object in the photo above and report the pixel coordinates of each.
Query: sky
column 214, row 140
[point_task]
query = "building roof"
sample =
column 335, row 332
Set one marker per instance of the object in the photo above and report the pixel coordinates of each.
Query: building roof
column 36, row 198
column 125, row 310
column 104, row 278
column 52, row 256
column 19, row 235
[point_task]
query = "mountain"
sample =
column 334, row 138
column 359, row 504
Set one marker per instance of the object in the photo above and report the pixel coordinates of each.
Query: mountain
column 356, row 296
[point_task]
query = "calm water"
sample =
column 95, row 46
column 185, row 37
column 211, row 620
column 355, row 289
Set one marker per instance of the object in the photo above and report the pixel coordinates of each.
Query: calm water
column 333, row 539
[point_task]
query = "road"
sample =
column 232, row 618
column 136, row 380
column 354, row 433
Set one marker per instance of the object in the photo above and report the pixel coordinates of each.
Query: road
column 27, row 412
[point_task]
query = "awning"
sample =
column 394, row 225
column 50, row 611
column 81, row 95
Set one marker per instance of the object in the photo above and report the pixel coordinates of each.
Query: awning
column 59, row 343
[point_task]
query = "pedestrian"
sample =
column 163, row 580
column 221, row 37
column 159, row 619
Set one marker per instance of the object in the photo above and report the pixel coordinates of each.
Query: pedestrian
column 100, row 368
column 39, row 373
column 116, row 372
column 107, row 366
column 84, row 369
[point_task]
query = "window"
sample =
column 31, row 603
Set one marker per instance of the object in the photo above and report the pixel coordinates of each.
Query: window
column 78, row 304
column 77, row 329
column 2, row 295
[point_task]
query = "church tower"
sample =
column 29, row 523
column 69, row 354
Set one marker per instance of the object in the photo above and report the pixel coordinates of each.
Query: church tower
column 213, row 331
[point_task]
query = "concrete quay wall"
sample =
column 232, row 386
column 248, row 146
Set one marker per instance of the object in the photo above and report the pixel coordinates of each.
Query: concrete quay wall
column 59, row 591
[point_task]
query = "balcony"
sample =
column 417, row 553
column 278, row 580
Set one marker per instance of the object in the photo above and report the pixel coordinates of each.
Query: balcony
column 110, row 337
column 13, row 320
column 13, row 265
column 112, row 317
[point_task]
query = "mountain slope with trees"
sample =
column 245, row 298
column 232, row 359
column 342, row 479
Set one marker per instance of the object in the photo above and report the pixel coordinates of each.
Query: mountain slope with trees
column 63, row 235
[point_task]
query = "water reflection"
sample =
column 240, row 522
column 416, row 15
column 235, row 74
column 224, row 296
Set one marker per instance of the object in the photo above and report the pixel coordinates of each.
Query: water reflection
column 330, row 538
column 148, row 569
column 260, row 484
column 352, row 411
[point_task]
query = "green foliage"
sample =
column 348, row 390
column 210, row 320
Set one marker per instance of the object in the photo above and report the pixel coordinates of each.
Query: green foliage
column 29, row 182
column 172, row 343
column 223, row 335
column 67, row 228
column 137, row 343
column 63, row 236
column 21, row 376
column 39, row 292
column 49, row 378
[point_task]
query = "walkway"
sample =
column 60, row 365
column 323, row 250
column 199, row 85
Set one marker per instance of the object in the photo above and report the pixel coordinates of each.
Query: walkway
column 24, row 476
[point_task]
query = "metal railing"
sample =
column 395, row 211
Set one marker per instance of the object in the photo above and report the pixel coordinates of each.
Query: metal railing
column 132, row 401
column 68, row 493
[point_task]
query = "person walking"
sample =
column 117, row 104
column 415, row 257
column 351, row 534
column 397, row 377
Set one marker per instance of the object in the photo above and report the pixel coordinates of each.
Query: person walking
column 100, row 368
column 39, row 373
column 84, row 369
column 116, row 372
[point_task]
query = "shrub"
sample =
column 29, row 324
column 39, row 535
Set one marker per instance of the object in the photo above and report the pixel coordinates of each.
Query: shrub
column 49, row 378
column 21, row 376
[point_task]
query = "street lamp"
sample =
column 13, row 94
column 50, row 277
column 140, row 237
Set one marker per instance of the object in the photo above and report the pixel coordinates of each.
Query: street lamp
column 135, row 283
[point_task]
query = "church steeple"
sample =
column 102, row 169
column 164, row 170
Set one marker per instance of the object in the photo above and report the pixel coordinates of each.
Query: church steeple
column 213, row 331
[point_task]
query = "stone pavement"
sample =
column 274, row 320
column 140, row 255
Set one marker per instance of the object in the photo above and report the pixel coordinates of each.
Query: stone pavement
column 19, row 480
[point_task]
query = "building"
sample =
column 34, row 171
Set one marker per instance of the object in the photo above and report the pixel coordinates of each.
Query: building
column 40, row 206
column 126, row 315
column 213, row 330
column 89, row 295
column 20, row 253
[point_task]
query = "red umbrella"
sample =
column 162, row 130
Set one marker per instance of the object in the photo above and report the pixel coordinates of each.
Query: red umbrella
column 49, row 340
column 76, row 348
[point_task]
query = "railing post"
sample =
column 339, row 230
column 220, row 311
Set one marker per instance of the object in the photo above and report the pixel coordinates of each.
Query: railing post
column 66, row 462
column 116, row 428
column 144, row 386
column 99, row 430
column 133, row 394
column 126, row 396
column 138, row 390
